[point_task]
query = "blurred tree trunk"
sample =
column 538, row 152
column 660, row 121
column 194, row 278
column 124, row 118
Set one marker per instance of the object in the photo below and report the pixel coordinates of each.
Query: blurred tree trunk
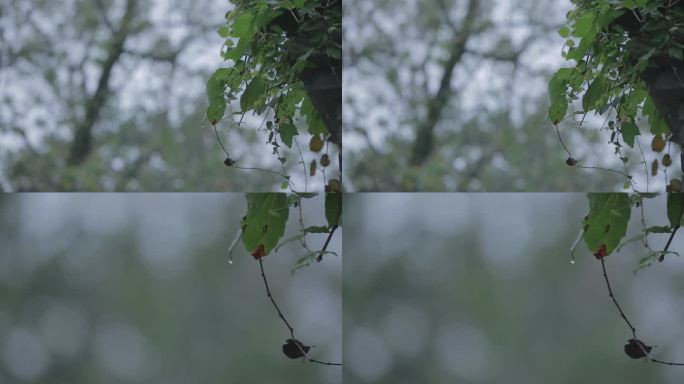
column 423, row 146
column 82, row 144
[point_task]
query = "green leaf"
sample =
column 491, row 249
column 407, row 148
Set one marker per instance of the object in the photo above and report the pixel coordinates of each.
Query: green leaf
column 305, row 260
column 242, row 26
column 265, row 221
column 558, row 83
column 333, row 208
column 606, row 223
column 317, row 229
column 291, row 239
column 224, row 31
column 558, row 109
column 674, row 208
column 557, row 87
column 287, row 132
column 578, row 52
column 659, row 229
column 655, row 119
column 585, row 25
column 309, row 258
column 594, row 94
column 316, row 124
column 254, row 90
column 236, row 53
column 216, row 87
column 629, row 132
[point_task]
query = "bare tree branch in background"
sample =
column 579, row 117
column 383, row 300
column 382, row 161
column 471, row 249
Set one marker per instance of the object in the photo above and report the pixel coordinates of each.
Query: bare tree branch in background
column 424, row 137
column 81, row 146
column 450, row 94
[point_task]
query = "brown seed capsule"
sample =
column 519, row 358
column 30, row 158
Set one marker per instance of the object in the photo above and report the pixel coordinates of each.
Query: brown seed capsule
column 229, row 162
column 658, row 144
column 312, row 168
column 333, row 186
column 570, row 162
column 654, row 167
column 675, row 186
column 636, row 349
column 325, row 160
column 667, row 160
column 294, row 348
column 316, row 144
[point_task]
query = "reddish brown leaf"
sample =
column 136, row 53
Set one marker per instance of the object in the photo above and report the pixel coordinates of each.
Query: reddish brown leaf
column 601, row 252
column 259, row 252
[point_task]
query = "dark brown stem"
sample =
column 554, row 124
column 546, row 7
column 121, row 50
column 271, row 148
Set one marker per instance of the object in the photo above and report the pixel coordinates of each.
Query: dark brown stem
column 325, row 245
column 282, row 317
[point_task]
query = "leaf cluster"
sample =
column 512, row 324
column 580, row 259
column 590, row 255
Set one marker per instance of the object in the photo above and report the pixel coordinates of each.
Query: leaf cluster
column 611, row 43
column 263, row 227
column 268, row 45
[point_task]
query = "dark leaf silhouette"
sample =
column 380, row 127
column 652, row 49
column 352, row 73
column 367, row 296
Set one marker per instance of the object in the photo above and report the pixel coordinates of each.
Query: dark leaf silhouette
column 293, row 349
column 636, row 349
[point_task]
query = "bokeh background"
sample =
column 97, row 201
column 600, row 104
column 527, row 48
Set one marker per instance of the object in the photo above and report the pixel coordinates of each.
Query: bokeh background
column 479, row 288
column 482, row 95
column 148, row 126
column 132, row 288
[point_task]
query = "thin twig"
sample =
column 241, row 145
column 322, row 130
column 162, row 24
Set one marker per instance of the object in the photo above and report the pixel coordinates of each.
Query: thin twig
column 282, row 317
column 612, row 297
column 284, row 176
column 561, row 140
column 325, row 245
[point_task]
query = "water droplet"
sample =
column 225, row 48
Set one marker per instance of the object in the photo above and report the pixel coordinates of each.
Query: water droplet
column 230, row 261
column 572, row 260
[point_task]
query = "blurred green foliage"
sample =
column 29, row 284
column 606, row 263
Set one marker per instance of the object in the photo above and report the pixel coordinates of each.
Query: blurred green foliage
column 137, row 289
column 480, row 289
column 93, row 98
column 450, row 95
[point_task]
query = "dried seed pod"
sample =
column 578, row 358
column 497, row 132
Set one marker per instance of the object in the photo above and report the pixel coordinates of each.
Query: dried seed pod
column 312, row 168
column 294, row 348
column 658, row 143
column 675, row 186
column 667, row 160
column 316, row 144
column 570, row 162
column 333, row 186
column 654, row 167
column 229, row 162
column 636, row 349
column 325, row 160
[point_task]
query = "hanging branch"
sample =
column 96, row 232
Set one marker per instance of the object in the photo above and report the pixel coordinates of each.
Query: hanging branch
column 229, row 162
column 302, row 349
column 635, row 347
column 572, row 162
